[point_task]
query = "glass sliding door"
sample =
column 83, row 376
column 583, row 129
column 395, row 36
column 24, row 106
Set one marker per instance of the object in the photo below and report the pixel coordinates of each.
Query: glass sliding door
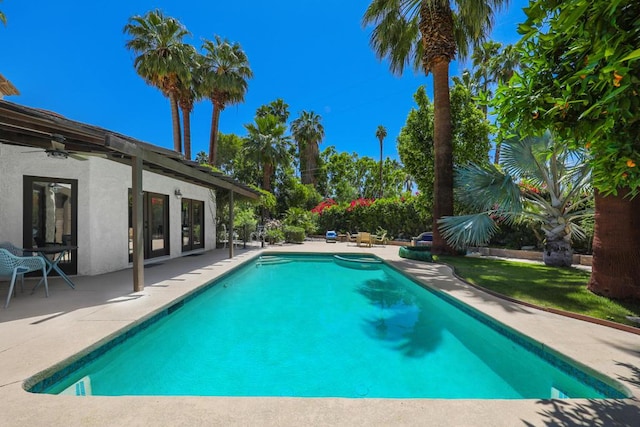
column 50, row 216
column 156, row 225
column 192, row 224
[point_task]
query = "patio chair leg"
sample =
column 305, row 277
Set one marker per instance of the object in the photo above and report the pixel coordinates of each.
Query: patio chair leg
column 46, row 283
column 11, row 286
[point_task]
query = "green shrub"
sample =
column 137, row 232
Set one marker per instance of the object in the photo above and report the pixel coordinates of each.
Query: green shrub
column 401, row 217
column 274, row 235
column 294, row 234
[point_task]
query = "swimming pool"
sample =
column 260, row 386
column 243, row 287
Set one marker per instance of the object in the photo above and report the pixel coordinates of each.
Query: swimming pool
column 317, row 326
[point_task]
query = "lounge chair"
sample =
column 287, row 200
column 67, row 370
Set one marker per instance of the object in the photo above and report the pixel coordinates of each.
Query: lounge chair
column 331, row 236
column 380, row 239
column 423, row 239
column 14, row 266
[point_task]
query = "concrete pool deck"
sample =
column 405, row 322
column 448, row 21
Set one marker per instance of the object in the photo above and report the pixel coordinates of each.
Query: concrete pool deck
column 37, row 333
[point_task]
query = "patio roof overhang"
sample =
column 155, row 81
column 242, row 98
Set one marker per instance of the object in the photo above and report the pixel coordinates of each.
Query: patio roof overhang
column 32, row 127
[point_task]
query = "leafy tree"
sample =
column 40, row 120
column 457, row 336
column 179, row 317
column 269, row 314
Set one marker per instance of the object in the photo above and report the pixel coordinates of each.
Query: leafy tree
column 415, row 143
column 293, row 194
column 365, row 177
column 381, row 134
column 226, row 71
column 229, row 154
column 308, row 132
column 542, row 182
column 580, row 78
column 161, row 58
column 428, row 34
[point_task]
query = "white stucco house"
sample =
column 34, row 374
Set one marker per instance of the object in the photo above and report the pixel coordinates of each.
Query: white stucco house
column 119, row 200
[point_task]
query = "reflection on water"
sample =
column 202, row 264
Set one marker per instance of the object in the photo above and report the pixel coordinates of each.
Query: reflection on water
column 401, row 318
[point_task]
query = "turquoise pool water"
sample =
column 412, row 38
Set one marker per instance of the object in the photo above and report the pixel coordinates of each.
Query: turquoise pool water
column 315, row 326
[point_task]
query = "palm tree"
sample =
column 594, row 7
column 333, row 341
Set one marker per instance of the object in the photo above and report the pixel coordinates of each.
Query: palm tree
column 3, row 18
column 485, row 72
column 308, row 133
column 277, row 108
column 189, row 91
column 428, row 34
column 553, row 191
column 157, row 40
column 268, row 145
column 381, row 134
column 226, row 71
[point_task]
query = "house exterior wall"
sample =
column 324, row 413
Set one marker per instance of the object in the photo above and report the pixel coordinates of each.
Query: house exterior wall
column 102, row 204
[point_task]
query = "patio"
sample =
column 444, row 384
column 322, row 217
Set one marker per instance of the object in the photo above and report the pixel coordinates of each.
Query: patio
column 36, row 333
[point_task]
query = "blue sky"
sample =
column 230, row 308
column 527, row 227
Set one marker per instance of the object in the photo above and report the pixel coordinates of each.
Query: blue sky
column 69, row 57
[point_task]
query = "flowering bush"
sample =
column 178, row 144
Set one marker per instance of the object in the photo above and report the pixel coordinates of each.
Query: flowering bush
column 323, row 205
column 359, row 202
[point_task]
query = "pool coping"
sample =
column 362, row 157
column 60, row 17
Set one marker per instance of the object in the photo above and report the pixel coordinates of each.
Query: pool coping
column 611, row 352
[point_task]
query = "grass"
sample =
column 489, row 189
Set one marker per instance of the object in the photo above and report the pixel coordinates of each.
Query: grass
column 551, row 287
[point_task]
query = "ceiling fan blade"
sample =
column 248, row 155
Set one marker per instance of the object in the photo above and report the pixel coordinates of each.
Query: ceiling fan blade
column 77, row 157
column 57, row 146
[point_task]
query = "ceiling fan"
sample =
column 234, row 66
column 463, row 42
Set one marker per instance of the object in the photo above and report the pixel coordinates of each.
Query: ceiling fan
column 57, row 150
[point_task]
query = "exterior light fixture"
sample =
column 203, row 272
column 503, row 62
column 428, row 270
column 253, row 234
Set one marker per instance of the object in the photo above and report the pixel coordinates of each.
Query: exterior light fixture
column 178, row 193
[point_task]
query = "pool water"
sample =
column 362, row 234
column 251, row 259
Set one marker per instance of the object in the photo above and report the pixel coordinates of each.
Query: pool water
column 307, row 326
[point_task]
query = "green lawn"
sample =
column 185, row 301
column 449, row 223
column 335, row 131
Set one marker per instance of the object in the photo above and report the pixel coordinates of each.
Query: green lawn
column 560, row 288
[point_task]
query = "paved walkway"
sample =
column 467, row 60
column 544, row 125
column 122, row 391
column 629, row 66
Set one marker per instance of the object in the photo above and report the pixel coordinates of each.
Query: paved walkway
column 36, row 333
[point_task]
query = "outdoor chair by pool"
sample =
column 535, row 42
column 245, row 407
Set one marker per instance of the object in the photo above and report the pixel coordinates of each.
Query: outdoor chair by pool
column 331, row 236
column 379, row 239
column 424, row 239
column 363, row 238
column 14, row 266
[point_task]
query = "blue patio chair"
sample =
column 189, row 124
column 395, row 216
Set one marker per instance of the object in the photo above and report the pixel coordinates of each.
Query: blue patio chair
column 14, row 266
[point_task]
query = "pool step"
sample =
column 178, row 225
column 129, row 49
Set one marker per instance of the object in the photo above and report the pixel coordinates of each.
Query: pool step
column 272, row 260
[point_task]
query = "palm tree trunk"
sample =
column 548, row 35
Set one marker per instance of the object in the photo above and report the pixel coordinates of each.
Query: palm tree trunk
column 267, row 171
column 175, row 120
column 186, row 118
column 312, row 163
column 381, row 186
column 616, row 247
column 213, row 136
column 496, row 157
column 443, row 154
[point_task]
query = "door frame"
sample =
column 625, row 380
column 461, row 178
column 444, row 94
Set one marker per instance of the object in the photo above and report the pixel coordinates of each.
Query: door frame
column 68, row 266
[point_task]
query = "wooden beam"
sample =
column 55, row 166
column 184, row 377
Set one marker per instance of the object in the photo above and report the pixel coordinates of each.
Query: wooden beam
column 231, row 214
column 174, row 165
column 138, row 225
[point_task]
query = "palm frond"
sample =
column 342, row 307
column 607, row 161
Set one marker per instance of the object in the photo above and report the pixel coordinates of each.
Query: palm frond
column 467, row 230
column 486, row 188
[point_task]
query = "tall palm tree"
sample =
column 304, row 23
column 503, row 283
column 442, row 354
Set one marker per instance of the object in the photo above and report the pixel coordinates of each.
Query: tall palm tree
column 308, row 132
column 157, row 40
column 500, row 67
column 543, row 182
column 190, row 91
column 428, row 34
column 485, row 71
column 381, row 134
column 277, row 108
column 267, row 143
column 226, row 71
